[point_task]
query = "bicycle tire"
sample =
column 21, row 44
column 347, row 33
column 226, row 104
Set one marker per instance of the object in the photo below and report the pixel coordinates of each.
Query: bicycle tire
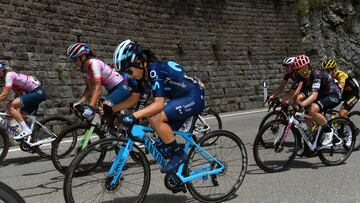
column 356, row 126
column 108, row 143
column 237, row 147
column 62, row 122
column 217, row 122
column 261, row 144
column 9, row 195
column 58, row 159
column 277, row 113
column 338, row 125
column 4, row 144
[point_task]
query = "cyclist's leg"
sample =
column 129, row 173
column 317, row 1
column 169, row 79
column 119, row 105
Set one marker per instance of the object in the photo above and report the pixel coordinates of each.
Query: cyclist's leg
column 117, row 95
column 328, row 102
column 27, row 103
column 176, row 110
column 350, row 99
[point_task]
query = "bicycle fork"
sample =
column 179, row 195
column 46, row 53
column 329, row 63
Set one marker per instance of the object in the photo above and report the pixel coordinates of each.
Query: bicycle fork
column 119, row 162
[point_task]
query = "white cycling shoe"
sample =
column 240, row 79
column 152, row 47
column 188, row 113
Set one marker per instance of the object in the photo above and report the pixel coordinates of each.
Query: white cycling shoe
column 328, row 138
column 23, row 134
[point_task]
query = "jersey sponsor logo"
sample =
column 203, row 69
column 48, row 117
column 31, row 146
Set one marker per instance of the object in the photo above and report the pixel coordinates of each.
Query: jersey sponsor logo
column 175, row 66
column 316, row 86
column 155, row 86
column 153, row 74
column 179, row 108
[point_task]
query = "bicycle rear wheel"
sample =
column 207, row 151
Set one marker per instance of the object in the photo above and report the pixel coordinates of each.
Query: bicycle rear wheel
column 269, row 155
column 231, row 152
column 354, row 117
column 67, row 145
column 132, row 186
column 4, row 144
column 54, row 124
column 9, row 195
column 338, row 153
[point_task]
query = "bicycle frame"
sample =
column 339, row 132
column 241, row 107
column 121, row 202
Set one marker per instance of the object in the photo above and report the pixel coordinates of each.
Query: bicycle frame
column 33, row 121
column 138, row 132
column 294, row 121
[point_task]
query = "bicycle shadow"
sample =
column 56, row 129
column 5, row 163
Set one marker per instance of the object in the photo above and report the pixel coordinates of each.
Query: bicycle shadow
column 158, row 198
column 21, row 161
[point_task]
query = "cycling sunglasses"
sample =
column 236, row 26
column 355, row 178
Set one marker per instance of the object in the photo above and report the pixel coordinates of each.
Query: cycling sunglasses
column 304, row 72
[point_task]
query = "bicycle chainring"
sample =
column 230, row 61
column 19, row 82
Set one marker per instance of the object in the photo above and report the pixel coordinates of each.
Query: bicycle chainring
column 25, row 147
column 173, row 183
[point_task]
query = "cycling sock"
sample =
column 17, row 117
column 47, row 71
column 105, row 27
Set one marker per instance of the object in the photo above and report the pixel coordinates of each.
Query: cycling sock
column 173, row 148
column 327, row 128
column 23, row 125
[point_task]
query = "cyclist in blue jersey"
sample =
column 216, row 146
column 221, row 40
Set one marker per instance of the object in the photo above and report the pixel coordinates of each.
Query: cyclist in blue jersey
column 168, row 81
column 325, row 93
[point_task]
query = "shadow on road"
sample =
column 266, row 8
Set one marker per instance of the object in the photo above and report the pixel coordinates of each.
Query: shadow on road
column 21, row 160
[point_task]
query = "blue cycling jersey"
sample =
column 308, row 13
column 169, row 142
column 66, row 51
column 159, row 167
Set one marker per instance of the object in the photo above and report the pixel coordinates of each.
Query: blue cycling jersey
column 168, row 80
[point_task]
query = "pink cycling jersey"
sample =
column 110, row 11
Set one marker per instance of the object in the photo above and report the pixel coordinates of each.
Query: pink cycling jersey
column 22, row 82
column 98, row 70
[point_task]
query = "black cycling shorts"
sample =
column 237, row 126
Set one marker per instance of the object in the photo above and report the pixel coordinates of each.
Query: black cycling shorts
column 350, row 98
column 329, row 101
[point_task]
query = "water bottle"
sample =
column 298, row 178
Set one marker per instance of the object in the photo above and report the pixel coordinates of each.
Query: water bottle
column 305, row 128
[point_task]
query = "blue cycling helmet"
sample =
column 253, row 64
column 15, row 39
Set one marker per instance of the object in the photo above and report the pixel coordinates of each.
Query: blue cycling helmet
column 3, row 64
column 126, row 54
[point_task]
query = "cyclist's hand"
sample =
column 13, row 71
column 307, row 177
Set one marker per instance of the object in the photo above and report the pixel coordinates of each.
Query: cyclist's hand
column 297, row 107
column 269, row 99
column 89, row 113
column 128, row 120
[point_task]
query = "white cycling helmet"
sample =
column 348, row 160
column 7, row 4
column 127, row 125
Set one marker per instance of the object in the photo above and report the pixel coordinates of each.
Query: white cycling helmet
column 126, row 54
column 288, row 61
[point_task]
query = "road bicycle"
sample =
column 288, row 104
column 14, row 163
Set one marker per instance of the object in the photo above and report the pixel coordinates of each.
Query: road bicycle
column 276, row 144
column 76, row 137
column 43, row 133
column 9, row 195
column 212, row 173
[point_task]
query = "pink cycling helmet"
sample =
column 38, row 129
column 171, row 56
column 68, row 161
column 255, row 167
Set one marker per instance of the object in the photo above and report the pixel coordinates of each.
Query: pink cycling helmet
column 301, row 61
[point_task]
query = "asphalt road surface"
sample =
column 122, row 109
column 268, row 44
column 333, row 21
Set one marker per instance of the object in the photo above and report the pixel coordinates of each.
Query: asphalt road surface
column 307, row 180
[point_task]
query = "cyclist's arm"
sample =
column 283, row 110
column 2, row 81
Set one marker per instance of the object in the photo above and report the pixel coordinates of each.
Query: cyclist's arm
column 87, row 92
column 96, row 93
column 288, row 96
column 129, row 102
column 156, row 107
column 5, row 92
column 310, row 99
column 279, row 88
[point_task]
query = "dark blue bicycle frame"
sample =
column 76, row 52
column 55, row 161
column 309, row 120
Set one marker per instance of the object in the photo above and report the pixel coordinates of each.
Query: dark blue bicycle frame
column 138, row 131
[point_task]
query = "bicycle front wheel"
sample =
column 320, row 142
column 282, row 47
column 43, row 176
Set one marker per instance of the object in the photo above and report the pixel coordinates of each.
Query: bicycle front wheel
column 231, row 152
column 269, row 154
column 9, row 195
column 273, row 115
column 51, row 124
column 132, row 185
column 67, row 145
column 354, row 117
column 339, row 151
